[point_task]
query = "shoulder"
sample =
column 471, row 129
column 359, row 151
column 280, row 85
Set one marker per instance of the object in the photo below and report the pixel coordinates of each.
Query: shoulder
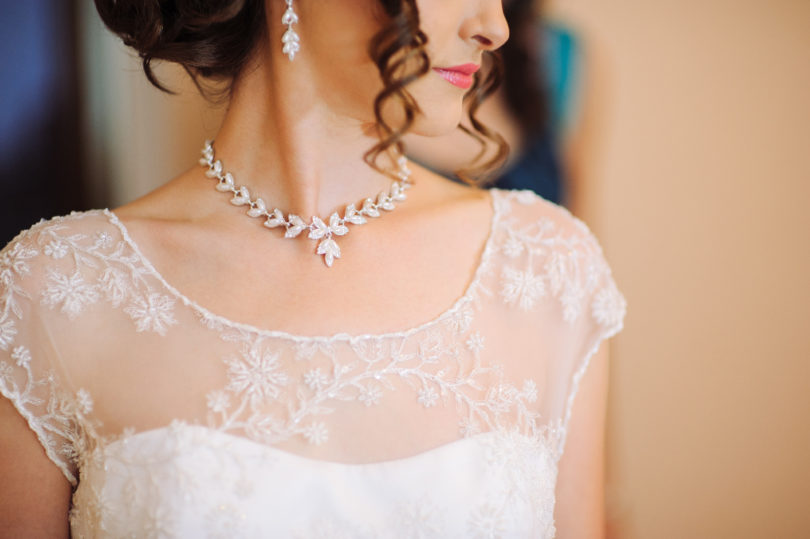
column 520, row 212
column 49, row 242
column 48, row 276
column 76, row 226
column 57, row 264
column 545, row 255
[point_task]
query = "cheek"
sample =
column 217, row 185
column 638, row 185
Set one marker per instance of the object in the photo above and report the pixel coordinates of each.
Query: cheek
column 350, row 81
column 440, row 18
column 441, row 105
column 441, row 102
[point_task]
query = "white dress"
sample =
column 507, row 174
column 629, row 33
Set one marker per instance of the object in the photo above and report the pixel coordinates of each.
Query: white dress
column 172, row 421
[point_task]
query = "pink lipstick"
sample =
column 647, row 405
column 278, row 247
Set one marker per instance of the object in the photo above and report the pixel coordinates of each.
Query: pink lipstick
column 461, row 75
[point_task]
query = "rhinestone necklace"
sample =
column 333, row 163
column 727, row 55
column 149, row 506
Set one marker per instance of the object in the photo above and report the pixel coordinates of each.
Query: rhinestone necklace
column 322, row 230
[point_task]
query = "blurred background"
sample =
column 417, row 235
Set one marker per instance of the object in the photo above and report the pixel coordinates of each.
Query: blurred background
column 684, row 143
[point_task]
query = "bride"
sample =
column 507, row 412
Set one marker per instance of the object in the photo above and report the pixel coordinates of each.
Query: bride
column 305, row 335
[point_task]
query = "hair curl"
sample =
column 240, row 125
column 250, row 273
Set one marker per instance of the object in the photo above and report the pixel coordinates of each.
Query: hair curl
column 214, row 39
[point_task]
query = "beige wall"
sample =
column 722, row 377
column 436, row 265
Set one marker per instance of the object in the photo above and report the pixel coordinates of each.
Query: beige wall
column 699, row 185
column 697, row 179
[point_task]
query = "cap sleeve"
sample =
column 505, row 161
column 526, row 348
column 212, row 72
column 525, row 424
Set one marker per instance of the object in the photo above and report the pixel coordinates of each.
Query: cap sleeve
column 560, row 298
column 600, row 308
column 30, row 374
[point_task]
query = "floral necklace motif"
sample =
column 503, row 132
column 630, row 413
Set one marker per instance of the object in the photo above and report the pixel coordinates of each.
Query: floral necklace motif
column 323, row 230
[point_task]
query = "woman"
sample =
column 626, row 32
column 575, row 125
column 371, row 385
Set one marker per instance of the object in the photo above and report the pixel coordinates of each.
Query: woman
column 404, row 365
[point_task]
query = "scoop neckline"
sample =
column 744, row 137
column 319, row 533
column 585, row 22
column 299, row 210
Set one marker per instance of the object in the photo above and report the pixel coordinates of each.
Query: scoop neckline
column 208, row 315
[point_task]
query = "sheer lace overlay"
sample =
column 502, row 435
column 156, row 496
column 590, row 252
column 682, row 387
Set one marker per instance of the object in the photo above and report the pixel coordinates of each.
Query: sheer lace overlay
column 172, row 421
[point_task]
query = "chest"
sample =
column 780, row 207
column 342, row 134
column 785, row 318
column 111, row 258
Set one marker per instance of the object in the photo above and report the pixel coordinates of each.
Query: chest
column 389, row 276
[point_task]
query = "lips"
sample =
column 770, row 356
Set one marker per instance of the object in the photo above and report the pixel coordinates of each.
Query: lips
column 461, row 75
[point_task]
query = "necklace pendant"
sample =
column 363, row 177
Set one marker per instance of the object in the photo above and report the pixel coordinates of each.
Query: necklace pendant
column 329, row 249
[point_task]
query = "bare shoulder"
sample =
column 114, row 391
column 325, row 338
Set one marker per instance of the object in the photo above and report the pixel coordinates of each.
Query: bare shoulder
column 174, row 200
column 167, row 222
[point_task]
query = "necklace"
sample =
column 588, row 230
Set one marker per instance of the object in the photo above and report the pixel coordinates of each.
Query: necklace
column 322, row 230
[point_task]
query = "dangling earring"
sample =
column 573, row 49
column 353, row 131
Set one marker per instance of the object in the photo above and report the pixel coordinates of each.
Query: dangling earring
column 290, row 39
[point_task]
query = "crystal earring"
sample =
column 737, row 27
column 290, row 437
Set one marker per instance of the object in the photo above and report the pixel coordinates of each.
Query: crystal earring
column 290, row 39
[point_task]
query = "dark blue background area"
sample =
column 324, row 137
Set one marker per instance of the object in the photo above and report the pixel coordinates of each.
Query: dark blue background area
column 39, row 120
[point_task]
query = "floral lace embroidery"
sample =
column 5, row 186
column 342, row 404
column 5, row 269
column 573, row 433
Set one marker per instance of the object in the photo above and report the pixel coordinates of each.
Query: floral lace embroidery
column 143, row 477
column 531, row 474
column 255, row 378
column 442, row 362
column 609, row 306
column 435, row 368
column 152, row 313
column 419, row 519
column 60, row 421
column 255, row 374
column 573, row 265
column 120, row 277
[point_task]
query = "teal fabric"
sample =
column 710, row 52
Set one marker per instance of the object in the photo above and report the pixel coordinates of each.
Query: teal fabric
column 561, row 55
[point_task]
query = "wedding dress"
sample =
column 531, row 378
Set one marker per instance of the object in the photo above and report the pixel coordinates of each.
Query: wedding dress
column 172, row 421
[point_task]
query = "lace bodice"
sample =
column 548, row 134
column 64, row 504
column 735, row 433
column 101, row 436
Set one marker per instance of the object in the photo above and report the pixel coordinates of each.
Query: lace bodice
column 174, row 421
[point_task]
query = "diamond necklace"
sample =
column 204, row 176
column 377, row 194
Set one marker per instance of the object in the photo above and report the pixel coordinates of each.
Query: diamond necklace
column 323, row 230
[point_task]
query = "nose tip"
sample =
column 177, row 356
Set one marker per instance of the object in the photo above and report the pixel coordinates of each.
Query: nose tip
column 492, row 28
column 497, row 39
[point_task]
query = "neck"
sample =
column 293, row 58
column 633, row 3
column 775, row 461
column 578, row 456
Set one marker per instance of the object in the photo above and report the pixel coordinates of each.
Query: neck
column 286, row 143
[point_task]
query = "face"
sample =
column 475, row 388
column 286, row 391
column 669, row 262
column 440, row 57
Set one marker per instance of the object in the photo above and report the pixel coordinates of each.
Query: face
column 459, row 31
column 335, row 52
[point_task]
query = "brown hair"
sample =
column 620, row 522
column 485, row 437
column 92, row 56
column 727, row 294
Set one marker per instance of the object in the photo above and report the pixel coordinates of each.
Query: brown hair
column 214, row 39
